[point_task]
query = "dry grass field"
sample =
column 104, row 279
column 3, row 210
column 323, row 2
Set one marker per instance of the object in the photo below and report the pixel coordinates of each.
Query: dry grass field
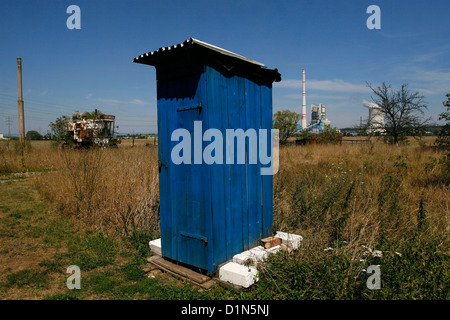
column 347, row 201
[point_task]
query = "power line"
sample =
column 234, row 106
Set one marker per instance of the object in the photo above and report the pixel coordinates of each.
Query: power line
column 51, row 104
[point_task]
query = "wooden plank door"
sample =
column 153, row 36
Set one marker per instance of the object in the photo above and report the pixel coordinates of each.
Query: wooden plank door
column 184, row 188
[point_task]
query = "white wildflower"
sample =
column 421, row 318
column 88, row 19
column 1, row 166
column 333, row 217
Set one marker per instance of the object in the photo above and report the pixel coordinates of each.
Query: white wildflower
column 377, row 254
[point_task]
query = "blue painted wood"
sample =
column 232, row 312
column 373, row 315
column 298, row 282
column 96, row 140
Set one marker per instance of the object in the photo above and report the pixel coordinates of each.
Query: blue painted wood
column 211, row 212
column 217, row 183
column 236, row 171
column 163, row 141
column 267, row 180
column 244, row 176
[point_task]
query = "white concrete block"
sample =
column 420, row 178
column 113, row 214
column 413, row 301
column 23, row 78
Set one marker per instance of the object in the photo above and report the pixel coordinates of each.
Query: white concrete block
column 242, row 257
column 258, row 253
column 291, row 240
column 274, row 249
column 155, row 246
column 238, row 274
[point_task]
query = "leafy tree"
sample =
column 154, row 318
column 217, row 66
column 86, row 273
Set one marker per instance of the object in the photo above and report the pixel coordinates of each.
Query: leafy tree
column 443, row 138
column 403, row 112
column 34, row 135
column 329, row 135
column 92, row 115
column 286, row 122
column 59, row 128
column 443, row 141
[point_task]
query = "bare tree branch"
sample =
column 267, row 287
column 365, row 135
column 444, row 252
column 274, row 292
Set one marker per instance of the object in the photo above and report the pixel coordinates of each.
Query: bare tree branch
column 402, row 110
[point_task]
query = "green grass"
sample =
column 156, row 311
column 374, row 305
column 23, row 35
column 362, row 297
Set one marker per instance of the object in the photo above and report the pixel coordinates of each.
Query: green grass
column 111, row 266
column 61, row 296
column 355, row 199
column 415, row 269
column 27, row 277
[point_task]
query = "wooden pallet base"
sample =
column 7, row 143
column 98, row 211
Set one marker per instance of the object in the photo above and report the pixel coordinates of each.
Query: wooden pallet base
column 181, row 272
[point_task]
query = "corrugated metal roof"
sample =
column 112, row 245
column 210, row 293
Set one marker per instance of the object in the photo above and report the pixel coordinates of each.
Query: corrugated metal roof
column 191, row 42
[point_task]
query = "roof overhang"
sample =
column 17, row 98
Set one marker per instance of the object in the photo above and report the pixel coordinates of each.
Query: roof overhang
column 196, row 49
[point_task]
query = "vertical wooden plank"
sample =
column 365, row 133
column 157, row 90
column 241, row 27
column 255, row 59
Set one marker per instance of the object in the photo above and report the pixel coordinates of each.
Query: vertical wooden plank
column 215, row 103
column 164, row 186
column 258, row 180
column 224, row 125
column 199, row 177
column 203, row 96
column 254, row 178
column 236, row 171
column 176, row 179
column 243, row 102
column 267, row 180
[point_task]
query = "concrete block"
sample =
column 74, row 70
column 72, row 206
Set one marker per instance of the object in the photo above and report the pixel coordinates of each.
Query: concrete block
column 155, row 247
column 238, row 274
column 291, row 240
column 256, row 254
column 274, row 249
column 242, row 257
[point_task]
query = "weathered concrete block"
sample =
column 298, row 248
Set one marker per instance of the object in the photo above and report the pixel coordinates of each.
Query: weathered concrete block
column 155, row 247
column 256, row 254
column 259, row 253
column 238, row 274
column 291, row 240
column 242, row 257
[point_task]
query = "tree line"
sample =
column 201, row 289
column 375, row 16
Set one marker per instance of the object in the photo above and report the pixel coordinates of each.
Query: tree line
column 403, row 114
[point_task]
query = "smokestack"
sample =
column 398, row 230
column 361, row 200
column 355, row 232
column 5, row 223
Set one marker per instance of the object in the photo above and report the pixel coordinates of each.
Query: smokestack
column 20, row 101
column 304, row 102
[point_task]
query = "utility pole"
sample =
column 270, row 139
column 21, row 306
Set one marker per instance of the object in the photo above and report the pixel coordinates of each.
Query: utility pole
column 20, row 101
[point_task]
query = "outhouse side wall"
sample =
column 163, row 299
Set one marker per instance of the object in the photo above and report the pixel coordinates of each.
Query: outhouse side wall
column 241, row 198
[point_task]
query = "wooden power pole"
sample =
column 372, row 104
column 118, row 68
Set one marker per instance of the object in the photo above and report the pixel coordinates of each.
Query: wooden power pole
column 20, row 101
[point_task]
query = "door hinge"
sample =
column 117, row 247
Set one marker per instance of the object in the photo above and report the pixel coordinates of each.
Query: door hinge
column 160, row 165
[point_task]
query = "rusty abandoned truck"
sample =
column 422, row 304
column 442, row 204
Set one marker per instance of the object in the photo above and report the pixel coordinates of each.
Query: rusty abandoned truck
column 95, row 131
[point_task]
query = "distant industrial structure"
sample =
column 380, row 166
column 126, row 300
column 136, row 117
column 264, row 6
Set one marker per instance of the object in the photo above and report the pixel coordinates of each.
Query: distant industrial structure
column 319, row 120
column 375, row 123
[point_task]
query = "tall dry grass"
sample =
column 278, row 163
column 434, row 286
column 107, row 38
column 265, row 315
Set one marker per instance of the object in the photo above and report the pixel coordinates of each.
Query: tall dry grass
column 34, row 156
column 358, row 191
column 350, row 192
column 348, row 199
column 108, row 189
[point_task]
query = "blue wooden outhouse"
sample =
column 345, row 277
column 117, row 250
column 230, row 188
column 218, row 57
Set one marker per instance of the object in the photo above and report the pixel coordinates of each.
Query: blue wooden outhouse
column 211, row 210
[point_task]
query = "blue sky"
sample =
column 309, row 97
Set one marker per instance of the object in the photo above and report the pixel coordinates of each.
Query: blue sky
column 66, row 70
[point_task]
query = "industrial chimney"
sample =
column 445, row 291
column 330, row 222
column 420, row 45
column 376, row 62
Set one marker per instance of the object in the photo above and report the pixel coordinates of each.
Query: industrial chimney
column 304, row 102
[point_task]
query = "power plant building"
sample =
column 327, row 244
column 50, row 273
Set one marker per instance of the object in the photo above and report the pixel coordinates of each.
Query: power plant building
column 375, row 123
column 319, row 119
